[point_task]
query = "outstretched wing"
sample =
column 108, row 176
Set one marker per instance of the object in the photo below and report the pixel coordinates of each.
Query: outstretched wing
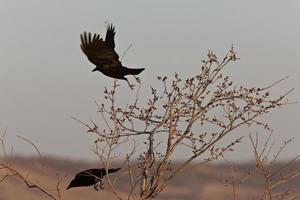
column 110, row 35
column 96, row 50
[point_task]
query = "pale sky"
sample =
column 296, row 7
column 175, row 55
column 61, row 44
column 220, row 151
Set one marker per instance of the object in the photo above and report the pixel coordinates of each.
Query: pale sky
column 45, row 79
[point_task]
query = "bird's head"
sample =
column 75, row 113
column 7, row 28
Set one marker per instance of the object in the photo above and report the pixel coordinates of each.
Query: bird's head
column 96, row 69
column 73, row 183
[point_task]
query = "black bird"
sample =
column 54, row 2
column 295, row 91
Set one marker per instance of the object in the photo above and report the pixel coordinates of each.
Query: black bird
column 91, row 177
column 103, row 55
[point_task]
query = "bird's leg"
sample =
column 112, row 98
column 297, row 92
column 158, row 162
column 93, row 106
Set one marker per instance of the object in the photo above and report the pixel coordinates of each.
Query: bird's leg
column 137, row 79
column 131, row 86
column 101, row 184
column 96, row 186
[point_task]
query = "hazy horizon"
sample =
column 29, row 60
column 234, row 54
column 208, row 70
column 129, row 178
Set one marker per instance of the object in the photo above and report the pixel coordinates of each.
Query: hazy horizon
column 45, row 79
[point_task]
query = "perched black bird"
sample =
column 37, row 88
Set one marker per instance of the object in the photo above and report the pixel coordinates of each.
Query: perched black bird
column 103, row 55
column 91, row 177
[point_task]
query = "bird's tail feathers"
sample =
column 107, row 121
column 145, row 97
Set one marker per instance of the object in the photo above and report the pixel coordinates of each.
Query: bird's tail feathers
column 113, row 170
column 135, row 71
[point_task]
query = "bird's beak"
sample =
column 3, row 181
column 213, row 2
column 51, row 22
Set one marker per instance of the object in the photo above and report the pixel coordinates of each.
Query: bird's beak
column 94, row 69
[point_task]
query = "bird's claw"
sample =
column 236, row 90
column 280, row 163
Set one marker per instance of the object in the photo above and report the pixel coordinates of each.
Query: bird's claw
column 137, row 79
column 102, row 185
column 99, row 185
column 96, row 187
column 131, row 86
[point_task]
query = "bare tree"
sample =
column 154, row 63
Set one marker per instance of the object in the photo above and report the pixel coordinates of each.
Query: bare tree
column 192, row 115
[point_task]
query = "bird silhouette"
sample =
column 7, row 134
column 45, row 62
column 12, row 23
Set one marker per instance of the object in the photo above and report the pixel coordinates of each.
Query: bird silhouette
column 91, row 177
column 102, row 54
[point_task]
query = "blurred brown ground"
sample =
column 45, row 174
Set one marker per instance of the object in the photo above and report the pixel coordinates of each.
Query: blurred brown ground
column 207, row 182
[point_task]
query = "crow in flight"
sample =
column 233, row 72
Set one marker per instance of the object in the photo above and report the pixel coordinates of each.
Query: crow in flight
column 102, row 54
column 91, row 177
